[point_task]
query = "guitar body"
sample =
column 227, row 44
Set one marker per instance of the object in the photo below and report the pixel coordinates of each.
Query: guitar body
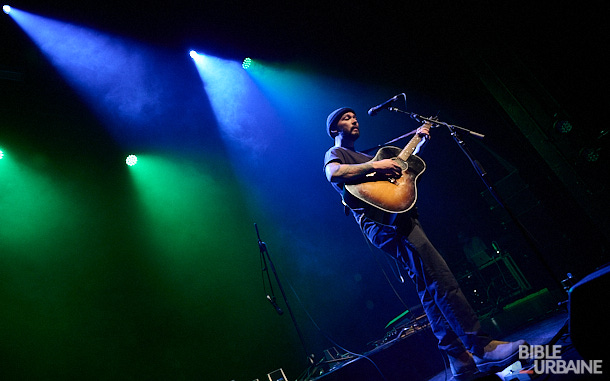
column 385, row 200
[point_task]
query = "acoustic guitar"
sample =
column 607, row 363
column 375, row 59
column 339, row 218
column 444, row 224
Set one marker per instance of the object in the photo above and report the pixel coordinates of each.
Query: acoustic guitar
column 384, row 200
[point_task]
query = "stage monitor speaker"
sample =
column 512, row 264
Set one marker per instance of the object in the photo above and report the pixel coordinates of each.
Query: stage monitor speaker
column 588, row 304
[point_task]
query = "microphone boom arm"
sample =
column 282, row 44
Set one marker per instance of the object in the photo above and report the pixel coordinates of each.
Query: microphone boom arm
column 435, row 122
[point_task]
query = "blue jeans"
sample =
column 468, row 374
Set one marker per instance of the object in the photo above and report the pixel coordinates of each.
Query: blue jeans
column 452, row 319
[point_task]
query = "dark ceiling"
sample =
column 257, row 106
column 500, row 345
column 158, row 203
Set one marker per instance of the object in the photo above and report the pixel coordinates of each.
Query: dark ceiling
column 560, row 43
column 419, row 47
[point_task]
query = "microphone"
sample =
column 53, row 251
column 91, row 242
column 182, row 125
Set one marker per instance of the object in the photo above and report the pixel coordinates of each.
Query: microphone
column 374, row 110
column 274, row 304
column 417, row 117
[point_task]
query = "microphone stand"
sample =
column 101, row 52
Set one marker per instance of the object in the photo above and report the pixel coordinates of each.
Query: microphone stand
column 264, row 258
column 453, row 129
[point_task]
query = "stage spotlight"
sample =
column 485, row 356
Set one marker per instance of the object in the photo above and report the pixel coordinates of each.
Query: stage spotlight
column 1, row 154
column 6, row 9
column 562, row 126
column 246, row 63
column 590, row 154
column 131, row 160
column 198, row 58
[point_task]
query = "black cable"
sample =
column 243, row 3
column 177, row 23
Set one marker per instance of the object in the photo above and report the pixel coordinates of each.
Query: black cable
column 356, row 355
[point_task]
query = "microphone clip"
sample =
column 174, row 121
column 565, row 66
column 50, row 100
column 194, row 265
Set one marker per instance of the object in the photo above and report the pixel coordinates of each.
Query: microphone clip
column 274, row 304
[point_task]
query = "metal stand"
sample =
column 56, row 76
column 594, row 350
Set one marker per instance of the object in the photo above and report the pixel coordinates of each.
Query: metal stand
column 453, row 129
column 271, row 298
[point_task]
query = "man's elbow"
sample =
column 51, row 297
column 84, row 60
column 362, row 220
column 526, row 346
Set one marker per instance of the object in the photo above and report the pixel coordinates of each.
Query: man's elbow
column 331, row 171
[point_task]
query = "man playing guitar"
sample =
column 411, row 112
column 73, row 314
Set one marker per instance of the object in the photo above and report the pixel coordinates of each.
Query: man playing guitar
column 365, row 182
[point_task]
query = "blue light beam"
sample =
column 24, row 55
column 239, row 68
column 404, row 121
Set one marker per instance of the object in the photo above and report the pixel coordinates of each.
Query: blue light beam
column 116, row 77
column 242, row 112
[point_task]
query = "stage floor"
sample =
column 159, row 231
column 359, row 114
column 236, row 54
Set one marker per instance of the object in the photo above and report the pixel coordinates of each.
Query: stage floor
column 551, row 329
column 414, row 358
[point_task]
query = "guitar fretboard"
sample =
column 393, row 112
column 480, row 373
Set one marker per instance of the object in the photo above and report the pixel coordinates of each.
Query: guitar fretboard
column 410, row 148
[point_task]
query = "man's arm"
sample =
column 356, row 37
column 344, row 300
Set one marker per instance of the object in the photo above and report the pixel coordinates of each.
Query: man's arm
column 342, row 173
column 424, row 132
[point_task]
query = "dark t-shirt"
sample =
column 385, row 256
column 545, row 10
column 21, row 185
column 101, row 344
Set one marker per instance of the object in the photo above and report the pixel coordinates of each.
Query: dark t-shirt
column 344, row 156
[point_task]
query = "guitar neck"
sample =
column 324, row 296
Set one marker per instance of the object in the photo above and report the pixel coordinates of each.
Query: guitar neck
column 409, row 148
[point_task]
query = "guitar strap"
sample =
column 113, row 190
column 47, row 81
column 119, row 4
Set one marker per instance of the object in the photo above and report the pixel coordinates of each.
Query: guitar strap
column 346, row 208
column 377, row 147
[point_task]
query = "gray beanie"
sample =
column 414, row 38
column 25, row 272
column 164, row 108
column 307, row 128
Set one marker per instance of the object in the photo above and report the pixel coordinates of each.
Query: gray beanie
column 333, row 118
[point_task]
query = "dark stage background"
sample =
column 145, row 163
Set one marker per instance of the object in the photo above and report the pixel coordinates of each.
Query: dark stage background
column 113, row 276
